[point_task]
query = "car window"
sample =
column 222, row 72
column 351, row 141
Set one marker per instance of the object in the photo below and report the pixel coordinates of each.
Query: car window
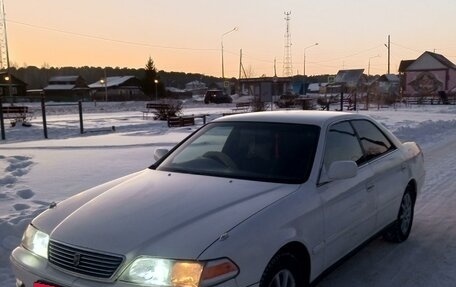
column 373, row 141
column 213, row 140
column 249, row 150
column 342, row 144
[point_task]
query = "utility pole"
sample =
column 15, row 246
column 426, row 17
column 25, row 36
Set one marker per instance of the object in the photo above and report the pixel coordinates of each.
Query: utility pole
column 3, row 39
column 304, row 68
column 389, row 53
column 4, row 63
column 240, row 64
column 275, row 69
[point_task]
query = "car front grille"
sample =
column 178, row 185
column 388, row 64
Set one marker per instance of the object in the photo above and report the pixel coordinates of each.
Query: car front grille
column 82, row 261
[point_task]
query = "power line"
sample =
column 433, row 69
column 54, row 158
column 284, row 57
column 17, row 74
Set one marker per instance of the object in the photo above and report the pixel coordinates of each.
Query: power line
column 108, row 39
column 407, row 48
column 351, row 55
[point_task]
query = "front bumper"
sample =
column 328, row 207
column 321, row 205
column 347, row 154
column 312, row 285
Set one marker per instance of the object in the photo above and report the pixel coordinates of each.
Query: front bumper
column 30, row 268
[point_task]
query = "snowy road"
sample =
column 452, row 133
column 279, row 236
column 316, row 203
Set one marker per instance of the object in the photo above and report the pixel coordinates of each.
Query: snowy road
column 428, row 257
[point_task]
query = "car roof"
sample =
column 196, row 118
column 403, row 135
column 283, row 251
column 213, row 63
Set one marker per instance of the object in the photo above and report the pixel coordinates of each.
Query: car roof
column 318, row 118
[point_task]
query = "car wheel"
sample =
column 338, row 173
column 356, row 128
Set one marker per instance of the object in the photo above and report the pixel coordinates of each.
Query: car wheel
column 400, row 230
column 283, row 271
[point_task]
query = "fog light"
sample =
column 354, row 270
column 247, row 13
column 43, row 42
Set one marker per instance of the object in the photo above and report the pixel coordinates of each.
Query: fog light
column 19, row 283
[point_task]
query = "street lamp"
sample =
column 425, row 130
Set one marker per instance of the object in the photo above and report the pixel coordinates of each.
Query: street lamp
column 304, row 67
column 223, row 66
column 368, row 74
column 104, row 82
column 156, row 90
column 8, row 88
column 369, row 64
column 2, row 122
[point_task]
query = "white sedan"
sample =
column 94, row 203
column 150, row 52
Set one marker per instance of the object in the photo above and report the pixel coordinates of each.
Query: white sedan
column 269, row 199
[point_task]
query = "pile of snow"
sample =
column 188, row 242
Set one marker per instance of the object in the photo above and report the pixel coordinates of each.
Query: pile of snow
column 37, row 171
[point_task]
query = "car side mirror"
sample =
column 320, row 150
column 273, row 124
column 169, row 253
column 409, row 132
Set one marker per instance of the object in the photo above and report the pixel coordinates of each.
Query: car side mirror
column 342, row 169
column 159, row 153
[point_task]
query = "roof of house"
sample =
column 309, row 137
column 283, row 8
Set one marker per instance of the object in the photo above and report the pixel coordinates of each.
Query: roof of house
column 266, row 79
column 442, row 59
column 404, row 65
column 316, row 86
column 195, row 83
column 389, row 78
column 111, row 82
column 65, row 83
column 64, row 79
column 349, row 77
column 15, row 80
column 59, row 87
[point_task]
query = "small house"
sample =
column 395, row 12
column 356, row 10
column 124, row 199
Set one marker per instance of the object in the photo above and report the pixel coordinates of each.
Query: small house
column 266, row 87
column 349, row 84
column 196, row 87
column 11, row 87
column 66, row 89
column 119, row 88
column 383, row 90
column 430, row 76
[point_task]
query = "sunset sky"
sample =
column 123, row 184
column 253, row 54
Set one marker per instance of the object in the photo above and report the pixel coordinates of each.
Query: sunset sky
column 186, row 36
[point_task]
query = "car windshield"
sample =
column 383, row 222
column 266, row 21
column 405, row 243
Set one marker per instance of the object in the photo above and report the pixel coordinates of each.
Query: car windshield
column 274, row 152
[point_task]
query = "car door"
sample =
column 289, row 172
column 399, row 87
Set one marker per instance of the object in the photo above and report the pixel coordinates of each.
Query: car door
column 390, row 171
column 348, row 205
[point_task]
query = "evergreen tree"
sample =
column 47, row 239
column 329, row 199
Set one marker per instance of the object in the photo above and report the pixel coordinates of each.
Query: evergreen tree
column 150, row 75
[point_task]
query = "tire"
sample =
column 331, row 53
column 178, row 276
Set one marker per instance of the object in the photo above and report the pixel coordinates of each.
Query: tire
column 283, row 271
column 400, row 230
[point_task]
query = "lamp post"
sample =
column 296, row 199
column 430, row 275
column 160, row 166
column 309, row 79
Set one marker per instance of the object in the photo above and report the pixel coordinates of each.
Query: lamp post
column 8, row 92
column 223, row 64
column 369, row 64
column 304, row 67
column 368, row 74
column 8, row 87
column 2, row 122
column 156, row 89
column 104, row 82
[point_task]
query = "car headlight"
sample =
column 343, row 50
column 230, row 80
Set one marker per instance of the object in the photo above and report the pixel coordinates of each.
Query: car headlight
column 149, row 271
column 36, row 241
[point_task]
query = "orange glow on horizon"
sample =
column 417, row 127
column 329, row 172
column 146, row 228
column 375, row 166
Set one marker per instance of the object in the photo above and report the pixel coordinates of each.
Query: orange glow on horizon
column 186, row 36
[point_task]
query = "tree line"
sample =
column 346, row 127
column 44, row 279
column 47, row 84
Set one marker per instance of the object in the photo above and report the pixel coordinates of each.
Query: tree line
column 38, row 78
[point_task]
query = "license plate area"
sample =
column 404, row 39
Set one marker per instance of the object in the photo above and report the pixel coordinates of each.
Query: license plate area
column 41, row 284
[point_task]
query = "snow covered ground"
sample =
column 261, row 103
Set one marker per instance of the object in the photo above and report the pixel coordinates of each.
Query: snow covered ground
column 35, row 171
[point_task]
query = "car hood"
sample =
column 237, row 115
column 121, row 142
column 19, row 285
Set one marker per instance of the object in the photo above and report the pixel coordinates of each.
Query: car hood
column 160, row 213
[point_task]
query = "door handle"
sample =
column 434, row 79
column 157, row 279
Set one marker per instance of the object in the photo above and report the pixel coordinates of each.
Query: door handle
column 370, row 187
